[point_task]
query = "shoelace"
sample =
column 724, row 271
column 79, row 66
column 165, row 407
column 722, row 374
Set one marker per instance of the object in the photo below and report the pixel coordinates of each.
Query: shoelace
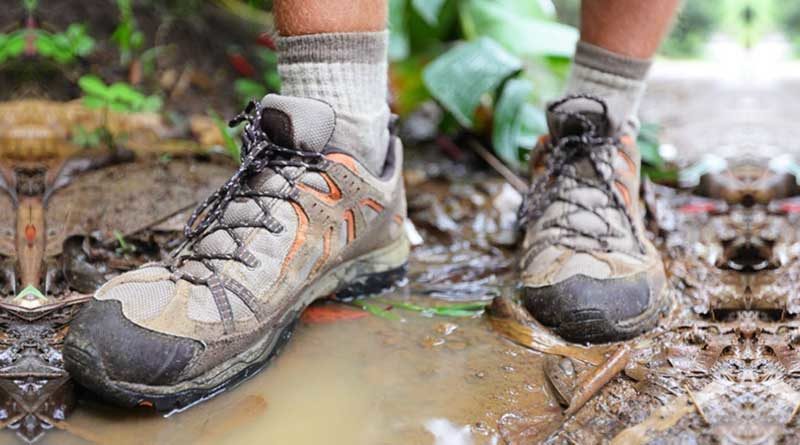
column 563, row 155
column 258, row 154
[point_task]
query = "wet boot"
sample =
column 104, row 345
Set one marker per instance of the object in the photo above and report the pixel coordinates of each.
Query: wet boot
column 298, row 221
column 587, row 270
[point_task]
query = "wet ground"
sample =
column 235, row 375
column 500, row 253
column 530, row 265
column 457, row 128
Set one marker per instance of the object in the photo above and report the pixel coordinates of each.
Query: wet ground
column 425, row 363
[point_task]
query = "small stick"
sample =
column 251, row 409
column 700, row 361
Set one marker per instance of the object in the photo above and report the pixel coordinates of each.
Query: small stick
column 598, row 378
column 514, row 179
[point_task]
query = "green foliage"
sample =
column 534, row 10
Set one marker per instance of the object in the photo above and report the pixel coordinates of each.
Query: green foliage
column 30, row 5
column 11, row 45
column 462, row 75
column 695, row 23
column 231, row 146
column 88, row 139
column 62, row 47
column 127, row 36
column 506, row 57
column 67, row 46
column 249, row 89
column 119, row 96
column 125, row 248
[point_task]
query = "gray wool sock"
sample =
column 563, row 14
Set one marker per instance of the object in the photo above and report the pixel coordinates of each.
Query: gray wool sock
column 617, row 79
column 349, row 72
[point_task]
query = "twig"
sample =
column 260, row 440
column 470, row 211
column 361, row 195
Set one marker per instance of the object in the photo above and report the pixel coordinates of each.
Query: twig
column 514, row 179
column 598, row 378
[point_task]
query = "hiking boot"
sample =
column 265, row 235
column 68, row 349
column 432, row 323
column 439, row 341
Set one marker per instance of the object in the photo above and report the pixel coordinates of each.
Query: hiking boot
column 298, row 221
column 587, row 270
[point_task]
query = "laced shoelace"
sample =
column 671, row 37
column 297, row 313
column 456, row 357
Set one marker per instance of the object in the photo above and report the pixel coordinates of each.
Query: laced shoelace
column 258, row 153
column 561, row 178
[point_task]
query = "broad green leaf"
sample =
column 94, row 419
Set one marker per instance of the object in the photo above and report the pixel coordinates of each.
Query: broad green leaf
column 461, row 76
column 507, row 121
column 399, row 44
column 94, row 86
column 534, row 124
column 94, row 102
column 428, row 9
column 524, row 32
column 12, row 46
column 122, row 92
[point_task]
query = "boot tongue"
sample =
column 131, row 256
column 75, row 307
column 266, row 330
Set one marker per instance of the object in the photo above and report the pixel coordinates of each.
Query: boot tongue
column 298, row 123
column 569, row 118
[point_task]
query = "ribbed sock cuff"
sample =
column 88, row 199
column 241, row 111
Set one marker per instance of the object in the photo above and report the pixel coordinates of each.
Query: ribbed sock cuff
column 617, row 79
column 601, row 59
column 349, row 71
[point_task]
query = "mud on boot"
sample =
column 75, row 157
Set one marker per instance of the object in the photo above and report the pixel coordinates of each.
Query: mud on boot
column 298, row 221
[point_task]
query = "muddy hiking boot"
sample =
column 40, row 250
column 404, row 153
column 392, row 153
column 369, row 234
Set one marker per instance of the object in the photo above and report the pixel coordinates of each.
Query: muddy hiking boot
column 298, row 221
column 587, row 270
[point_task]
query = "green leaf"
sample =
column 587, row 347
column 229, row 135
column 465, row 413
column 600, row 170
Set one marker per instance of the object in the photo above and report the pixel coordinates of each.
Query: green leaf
column 399, row 43
column 32, row 291
column 428, row 9
column 94, row 102
column 523, row 30
column 94, row 86
column 648, row 144
column 230, row 144
column 461, row 76
column 152, row 104
column 507, row 121
column 248, row 89
column 376, row 310
column 122, row 92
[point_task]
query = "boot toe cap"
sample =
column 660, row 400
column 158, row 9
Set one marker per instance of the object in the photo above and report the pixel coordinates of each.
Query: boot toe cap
column 103, row 347
column 585, row 309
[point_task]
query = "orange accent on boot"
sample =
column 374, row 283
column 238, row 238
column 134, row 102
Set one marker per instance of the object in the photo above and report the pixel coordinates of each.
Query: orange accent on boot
column 350, row 220
column 299, row 239
column 371, row 203
column 343, row 159
column 326, row 252
column 626, row 139
column 398, row 219
column 626, row 194
column 631, row 165
column 331, row 198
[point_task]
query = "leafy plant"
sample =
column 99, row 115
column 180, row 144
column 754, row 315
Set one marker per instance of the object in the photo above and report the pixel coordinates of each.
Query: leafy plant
column 127, row 36
column 119, row 96
column 125, row 247
column 62, row 47
column 67, row 46
column 248, row 89
column 472, row 57
column 88, row 138
column 11, row 45
column 231, row 146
